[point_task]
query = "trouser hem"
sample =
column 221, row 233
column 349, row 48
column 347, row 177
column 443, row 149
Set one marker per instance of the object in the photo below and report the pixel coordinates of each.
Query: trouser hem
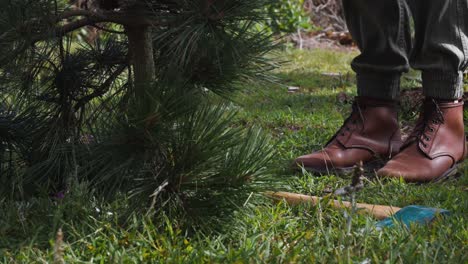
column 380, row 86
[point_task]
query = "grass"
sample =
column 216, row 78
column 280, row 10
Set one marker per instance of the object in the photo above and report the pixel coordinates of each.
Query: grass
column 253, row 229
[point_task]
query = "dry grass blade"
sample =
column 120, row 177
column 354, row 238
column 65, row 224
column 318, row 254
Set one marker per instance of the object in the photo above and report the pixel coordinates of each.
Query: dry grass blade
column 58, row 248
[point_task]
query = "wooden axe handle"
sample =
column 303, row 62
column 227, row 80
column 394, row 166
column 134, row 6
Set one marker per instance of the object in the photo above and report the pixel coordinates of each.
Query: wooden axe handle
column 378, row 211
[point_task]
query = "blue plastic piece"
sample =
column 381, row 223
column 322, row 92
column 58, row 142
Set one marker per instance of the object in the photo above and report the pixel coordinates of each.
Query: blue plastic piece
column 413, row 214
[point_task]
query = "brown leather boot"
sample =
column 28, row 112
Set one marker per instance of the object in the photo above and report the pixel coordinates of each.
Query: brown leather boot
column 434, row 148
column 370, row 134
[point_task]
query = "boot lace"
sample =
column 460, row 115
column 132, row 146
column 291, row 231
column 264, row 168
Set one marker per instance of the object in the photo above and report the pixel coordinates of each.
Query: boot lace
column 350, row 123
column 431, row 115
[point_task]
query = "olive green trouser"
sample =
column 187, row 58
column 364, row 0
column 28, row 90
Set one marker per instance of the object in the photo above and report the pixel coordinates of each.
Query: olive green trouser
column 382, row 31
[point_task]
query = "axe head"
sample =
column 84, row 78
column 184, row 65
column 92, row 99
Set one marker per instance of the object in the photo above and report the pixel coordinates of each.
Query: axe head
column 413, row 214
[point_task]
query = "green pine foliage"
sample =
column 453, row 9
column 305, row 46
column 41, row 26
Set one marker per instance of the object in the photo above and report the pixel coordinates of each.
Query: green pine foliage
column 76, row 105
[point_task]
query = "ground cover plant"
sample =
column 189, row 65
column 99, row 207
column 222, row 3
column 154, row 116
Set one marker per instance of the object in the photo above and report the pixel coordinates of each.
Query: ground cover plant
column 247, row 227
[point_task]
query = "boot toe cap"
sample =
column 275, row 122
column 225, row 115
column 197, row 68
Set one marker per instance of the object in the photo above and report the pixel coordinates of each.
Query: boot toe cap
column 389, row 172
column 314, row 160
column 396, row 169
column 415, row 170
column 401, row 170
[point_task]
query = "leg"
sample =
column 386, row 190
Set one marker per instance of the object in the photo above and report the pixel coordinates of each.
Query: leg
column 371, row 134
column 441, row 45
column 381, row 31
column 437, row 143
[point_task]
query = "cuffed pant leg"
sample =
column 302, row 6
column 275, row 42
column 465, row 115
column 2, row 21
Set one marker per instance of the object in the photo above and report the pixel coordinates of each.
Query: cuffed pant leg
column 381, row 31
column 441, row 45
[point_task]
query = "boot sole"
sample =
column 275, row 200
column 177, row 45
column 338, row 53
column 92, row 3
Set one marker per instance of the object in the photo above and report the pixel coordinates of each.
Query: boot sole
column 370, row 166
column 452, row 172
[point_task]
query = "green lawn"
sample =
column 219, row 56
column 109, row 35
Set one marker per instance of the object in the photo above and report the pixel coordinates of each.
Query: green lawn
column 247, row 227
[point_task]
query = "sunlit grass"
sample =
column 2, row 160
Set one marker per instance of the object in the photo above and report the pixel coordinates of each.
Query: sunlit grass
column 254, row 230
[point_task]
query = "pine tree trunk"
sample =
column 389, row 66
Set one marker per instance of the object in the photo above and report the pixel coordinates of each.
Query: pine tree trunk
column 142, row 60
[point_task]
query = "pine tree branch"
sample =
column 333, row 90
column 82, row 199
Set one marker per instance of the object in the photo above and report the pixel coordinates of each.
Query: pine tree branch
column 102, row 89
column 67, row 28
column 90, row 19
column 84, row 18
column 74, row 13
column 118, row 17
column 108, row 30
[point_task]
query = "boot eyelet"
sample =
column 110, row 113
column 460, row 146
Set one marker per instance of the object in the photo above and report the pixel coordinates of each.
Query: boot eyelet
column 431, row 129
column 428, row 138
column 424, row 145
